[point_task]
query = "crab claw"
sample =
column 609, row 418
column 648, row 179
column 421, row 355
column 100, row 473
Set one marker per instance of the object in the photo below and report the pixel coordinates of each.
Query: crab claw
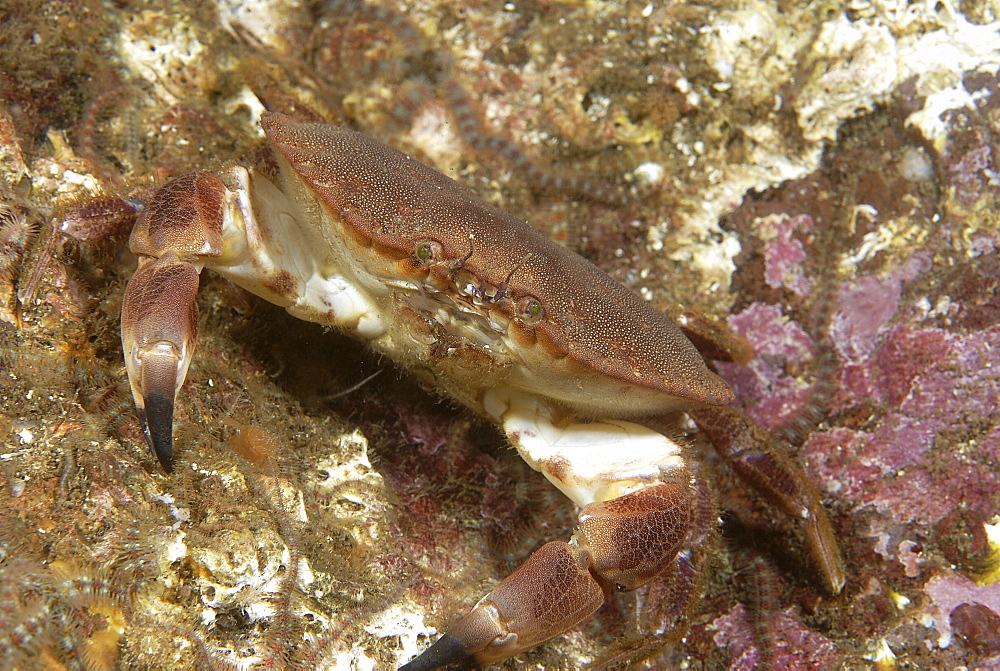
column 620, row 545
column 159, row 332
column 181, row 225
column 550, row 592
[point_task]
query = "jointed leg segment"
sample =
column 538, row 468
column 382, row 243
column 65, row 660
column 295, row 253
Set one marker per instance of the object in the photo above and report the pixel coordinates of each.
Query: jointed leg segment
column 748, row 449
column 619, row 545
column 642, row 519
column 179, row 227
column 638, row 511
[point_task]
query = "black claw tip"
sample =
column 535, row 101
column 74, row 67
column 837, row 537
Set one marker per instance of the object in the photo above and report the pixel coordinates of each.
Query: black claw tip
column 447, row 652
column 158, row 421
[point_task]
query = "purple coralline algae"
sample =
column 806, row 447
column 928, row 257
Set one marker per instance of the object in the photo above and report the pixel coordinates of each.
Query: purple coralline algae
column 784, row 253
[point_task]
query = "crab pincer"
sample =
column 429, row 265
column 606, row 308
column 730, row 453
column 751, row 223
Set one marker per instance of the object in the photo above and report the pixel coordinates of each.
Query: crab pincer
column 177, row 230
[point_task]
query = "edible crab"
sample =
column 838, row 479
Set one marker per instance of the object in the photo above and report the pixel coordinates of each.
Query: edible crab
column 344, row 231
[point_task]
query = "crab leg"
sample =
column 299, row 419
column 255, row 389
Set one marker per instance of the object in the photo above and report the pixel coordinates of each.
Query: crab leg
column 619, row 545
column 777, row 478
column 180, row 226
column 248, row 234
column 637, row 512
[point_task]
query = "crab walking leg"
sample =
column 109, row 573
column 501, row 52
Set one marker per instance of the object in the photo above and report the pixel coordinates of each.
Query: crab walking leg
column 159, row 322
column 663, row 606
column 637, row 511
column 747, row 448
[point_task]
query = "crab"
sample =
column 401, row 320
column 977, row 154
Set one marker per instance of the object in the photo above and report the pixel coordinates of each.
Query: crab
column 588, row 381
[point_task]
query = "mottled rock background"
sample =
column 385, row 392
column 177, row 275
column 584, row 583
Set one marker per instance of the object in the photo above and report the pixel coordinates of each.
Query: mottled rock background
column 822, row 175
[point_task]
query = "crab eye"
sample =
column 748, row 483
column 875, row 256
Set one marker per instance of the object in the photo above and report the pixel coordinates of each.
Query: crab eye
column 529, row 310
column 427, row 251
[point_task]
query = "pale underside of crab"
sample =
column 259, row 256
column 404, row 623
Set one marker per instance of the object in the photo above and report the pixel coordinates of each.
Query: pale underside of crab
column 346, row 232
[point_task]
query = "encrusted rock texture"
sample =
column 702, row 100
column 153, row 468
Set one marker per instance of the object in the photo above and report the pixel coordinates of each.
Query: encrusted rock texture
column 823, row 177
